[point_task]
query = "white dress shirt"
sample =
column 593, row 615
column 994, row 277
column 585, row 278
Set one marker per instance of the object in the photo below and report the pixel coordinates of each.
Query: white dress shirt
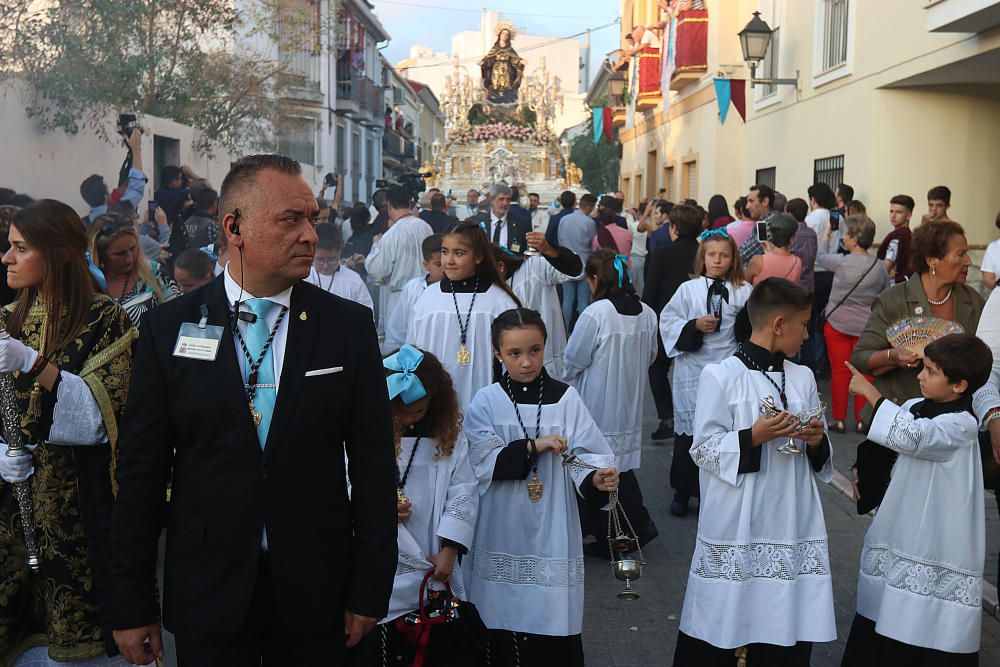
column 464, row 212
column 280, row 337
column 504, row 229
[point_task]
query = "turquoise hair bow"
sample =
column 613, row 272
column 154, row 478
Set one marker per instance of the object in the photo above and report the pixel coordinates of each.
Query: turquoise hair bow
column 709, row 233
column 621, row 266
column 404, row 382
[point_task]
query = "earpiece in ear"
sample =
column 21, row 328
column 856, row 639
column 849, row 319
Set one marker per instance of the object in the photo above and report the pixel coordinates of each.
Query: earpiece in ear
column 234, row 227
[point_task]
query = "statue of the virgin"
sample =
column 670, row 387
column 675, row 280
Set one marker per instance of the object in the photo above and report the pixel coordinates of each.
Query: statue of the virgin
column 502, row 68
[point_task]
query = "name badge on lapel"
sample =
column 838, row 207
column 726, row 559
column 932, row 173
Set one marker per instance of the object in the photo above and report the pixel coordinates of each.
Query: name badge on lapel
column 198, row 341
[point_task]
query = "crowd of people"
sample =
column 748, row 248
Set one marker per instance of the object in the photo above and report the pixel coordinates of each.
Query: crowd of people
column 324, row 407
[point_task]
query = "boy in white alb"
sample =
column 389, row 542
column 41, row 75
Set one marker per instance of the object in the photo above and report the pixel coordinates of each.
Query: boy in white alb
column 760, row 575
column 921, row 581
column 399, row 318
column 328, row 273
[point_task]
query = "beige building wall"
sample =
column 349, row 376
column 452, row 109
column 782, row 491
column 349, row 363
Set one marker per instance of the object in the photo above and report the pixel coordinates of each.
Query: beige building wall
column 909, row 109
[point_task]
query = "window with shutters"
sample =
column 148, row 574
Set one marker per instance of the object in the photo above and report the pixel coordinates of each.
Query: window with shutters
column 767, row 177
column 297, row 139
column 835, row 25
column 769, row 66
column 668, row 183
column 829, row 170
column 689, row 180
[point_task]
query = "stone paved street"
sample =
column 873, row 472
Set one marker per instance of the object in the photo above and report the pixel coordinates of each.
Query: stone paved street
column 643, row 633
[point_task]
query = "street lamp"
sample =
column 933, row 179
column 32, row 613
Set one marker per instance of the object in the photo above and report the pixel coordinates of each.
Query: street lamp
column 436, row 149
column 616, row 89
column 755, row 40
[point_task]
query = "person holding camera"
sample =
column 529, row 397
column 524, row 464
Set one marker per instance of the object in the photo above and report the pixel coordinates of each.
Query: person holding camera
column 131, row 181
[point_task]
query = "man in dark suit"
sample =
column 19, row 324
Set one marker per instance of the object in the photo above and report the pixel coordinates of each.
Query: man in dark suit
column 437, row 217
column 267, row 559
column 503, row 228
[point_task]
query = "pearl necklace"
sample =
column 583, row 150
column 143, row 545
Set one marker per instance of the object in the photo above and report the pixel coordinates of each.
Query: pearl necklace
column 942, row 301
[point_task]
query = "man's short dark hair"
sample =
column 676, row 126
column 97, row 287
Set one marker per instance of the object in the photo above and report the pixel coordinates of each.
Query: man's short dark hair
column 588, row 200
column 940, row 193
column 665, row 206
column 205, row 199
column 534, row 194
column 94, row 191
column 329, row 237
column 169, row 174
column 5, row 195
column 245, row 170
column 195, row 262
column 962, row 357
column 567, row 199
column 439, row 202
column 686, row 220
column 764, row 192
column 823, row 195
column 797, row 208
column 515, row 194
column 21, row 200
column 906, row 201
column 776, row 296
column 398, row 198
column 846, row 192
column 431, row 246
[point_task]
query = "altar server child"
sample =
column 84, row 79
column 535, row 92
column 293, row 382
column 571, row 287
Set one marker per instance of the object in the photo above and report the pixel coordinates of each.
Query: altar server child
column 526, row 574
column 328, row 273
column 696, row 327
column 607, row 359
column 921, row 580
column 452, row 319
column 402, row 312
column 436, row 492
column 760, row 576
column 533, row 279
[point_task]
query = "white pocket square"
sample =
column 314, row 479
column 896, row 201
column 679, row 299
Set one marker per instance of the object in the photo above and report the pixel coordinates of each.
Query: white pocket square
column 324, row 371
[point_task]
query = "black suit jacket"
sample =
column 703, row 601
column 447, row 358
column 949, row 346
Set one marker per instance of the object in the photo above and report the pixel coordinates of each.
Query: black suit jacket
column 668, row 267
column 519, row 228
column 439, row 221
column 190, row 420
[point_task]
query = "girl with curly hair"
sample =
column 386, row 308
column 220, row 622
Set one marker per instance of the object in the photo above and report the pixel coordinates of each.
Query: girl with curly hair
column 437, row 496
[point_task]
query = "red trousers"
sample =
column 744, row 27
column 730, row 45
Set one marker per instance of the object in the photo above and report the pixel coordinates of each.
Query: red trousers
column 839, row 347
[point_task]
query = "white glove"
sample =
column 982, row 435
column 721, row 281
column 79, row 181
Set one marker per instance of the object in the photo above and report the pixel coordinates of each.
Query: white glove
column 15, row 469
column 16, row 356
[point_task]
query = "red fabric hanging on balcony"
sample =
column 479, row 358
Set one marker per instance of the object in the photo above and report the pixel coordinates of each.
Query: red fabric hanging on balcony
column 649, row 74
column 692, row 42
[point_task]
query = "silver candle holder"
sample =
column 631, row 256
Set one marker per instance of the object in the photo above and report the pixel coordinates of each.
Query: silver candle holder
column 769, row 408
column 15, row 447
column 623, row 542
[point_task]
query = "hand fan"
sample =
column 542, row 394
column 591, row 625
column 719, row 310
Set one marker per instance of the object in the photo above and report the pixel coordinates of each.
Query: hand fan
column 915, row 333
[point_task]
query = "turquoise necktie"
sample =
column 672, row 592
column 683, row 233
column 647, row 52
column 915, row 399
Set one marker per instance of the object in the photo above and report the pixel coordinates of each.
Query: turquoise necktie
column 266, row 394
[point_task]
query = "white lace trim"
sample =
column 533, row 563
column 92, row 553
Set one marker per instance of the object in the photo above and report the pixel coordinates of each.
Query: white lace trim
column 708, row 455
column 503, row 568
column 761, row 560
column 408, row 564
column 480, row 449
column 459, row 509
column 903, row 434
column 931, row 580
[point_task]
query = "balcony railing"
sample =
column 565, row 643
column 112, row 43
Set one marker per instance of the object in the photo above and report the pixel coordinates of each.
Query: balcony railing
column 356, row 92
column 395, row 145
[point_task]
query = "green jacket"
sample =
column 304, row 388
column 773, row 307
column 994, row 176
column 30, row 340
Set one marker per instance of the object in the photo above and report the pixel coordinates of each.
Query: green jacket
column 898, row 302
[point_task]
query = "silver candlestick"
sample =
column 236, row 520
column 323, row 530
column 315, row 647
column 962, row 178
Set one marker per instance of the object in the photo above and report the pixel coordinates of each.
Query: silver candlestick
column 623, row 541
column 15, row 447
column 768, row 408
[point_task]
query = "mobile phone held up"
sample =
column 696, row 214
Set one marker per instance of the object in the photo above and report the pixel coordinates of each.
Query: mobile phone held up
column 152, row 211
column 762, row 231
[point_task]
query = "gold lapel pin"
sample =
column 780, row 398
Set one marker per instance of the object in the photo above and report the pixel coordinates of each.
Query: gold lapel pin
column 303, row 316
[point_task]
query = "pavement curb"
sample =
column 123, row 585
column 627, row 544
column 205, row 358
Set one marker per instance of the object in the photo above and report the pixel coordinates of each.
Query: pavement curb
column 991, row 601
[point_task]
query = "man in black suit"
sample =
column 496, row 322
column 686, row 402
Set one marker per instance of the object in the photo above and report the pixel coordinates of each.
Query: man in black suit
column 267, row 559
column 503, row 228
column 437, row 216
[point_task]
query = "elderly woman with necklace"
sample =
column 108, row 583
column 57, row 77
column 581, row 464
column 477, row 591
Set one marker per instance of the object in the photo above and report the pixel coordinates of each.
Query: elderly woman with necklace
column 939, row 255
column 70, row 353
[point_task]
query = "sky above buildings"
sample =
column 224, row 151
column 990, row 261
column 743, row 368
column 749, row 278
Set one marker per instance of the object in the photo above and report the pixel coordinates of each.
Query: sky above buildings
column 433, row 22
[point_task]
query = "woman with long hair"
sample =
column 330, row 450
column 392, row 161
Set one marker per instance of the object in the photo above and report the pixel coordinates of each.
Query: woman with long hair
column 70, row 353
column 452, row 319
column 134, row 281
